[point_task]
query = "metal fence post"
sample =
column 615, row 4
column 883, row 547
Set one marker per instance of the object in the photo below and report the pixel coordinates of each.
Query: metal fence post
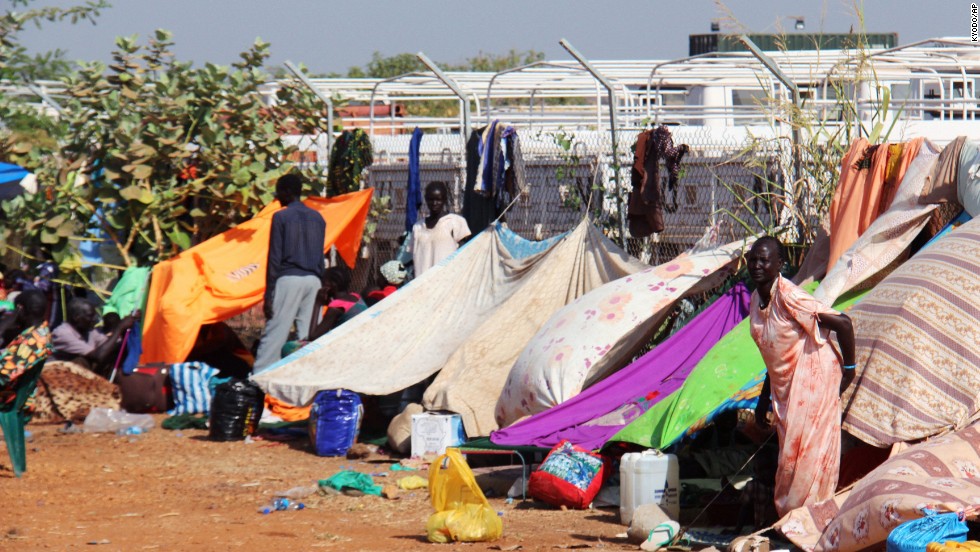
column 612, row 133
column 323, row 97
column 773, row 68
column 465, row 107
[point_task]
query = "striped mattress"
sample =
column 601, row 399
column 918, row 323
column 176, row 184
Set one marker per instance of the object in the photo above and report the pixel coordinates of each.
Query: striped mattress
column 918, row 346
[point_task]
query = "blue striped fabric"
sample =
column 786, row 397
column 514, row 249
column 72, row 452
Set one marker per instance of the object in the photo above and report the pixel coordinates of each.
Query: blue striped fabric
column 192, row 395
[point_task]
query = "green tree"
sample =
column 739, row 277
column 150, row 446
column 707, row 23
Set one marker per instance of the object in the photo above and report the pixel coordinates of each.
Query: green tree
column 18, row 68
column 157, row 155
column 495, row 63
column 383, row 67
column 15, row 63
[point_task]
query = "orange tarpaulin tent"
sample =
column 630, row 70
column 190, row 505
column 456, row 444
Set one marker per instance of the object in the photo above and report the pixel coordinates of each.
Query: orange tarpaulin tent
column 225, row 275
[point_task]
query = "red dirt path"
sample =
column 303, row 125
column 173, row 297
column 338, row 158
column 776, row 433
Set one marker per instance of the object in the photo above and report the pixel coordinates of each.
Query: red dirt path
column 168, row 490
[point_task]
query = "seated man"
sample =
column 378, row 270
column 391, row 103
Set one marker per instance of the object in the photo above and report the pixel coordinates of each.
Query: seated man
column 78, row 340
column 29, row 348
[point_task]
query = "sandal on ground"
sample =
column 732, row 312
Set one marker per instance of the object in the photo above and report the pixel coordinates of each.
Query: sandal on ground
column 661, row 536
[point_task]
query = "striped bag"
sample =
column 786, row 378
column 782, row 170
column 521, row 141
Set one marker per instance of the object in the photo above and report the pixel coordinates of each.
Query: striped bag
column 192, row 394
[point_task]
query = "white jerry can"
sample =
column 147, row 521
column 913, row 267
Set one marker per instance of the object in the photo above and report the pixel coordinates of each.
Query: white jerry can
column 649, row 477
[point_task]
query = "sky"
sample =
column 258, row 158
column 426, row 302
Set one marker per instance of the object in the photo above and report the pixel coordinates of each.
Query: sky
column 333, row 35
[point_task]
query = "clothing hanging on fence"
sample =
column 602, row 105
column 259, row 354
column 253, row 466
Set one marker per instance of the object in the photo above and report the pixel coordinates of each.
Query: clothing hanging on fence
column 349, row 156
column 865, row 190
column 414, row 191
column 515, row 172
column 495, row 174
column 489, row 158
column 646, row 201
column 900, row 156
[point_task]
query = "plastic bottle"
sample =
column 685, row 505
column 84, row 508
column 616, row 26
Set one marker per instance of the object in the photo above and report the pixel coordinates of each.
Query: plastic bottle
column 131, row 430
column 281, row 504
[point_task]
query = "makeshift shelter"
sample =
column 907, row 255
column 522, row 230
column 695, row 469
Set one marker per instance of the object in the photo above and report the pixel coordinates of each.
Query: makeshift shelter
column 413, row 333
column 918, row 346
column 942, row 474
column 597, row 334
column 225, row 275
column 729, row 376
column 590, row 418
column 473, row 376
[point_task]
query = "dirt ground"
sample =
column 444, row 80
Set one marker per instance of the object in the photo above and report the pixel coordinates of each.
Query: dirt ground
column 175, row 490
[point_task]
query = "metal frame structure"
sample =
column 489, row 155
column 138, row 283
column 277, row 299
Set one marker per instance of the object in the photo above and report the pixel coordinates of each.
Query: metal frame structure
column 553, row 94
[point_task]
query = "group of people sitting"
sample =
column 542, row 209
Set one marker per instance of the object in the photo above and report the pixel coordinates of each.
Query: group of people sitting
column 29, row 341
column 93, row 343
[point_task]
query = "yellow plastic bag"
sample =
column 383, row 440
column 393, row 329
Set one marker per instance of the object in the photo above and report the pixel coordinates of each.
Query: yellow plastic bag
column 462, row 512
column 412, row 482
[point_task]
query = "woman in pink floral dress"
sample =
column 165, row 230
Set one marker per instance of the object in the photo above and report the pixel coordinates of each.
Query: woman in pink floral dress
column 805, row 374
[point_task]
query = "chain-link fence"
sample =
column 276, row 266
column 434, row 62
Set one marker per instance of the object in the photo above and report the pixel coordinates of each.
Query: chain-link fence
column 737, row 184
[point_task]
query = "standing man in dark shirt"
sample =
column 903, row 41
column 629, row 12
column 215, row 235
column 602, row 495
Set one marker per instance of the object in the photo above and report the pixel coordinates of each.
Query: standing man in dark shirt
column 293, row 271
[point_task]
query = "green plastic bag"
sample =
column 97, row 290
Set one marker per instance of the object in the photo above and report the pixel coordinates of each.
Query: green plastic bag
column 348, row 479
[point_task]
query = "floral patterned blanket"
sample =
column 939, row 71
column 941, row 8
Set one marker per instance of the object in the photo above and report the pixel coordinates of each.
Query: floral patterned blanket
column 942, row 474
column 599, row 333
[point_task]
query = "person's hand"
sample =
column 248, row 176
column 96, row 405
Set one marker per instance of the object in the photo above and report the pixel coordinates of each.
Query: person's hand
column 128, row 322
column 267, row 310
column 845, row 380
column 8, row 318
column 323, row 295
column 761, row 415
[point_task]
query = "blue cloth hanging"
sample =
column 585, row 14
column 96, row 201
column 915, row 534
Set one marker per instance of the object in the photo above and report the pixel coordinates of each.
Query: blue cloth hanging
column 414, row 181
column 134, row 348
column 488, row 152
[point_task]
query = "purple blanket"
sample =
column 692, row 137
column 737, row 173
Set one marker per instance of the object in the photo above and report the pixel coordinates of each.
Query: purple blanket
column 593, row 416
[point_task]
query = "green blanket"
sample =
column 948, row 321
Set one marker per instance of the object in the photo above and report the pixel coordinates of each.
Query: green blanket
column 129, row 293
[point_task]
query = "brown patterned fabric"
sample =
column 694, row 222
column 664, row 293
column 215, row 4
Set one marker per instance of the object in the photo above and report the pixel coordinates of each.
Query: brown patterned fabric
column 942, row 474
column 943, row 215
column 941, row 188
column 67, row 392
column 918, row 346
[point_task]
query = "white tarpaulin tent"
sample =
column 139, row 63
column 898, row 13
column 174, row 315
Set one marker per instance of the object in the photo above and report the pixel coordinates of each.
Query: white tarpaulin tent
column 474, row 375
column 410, row 335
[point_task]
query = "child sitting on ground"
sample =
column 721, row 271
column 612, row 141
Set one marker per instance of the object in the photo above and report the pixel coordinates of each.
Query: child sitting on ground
column 340, row 302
